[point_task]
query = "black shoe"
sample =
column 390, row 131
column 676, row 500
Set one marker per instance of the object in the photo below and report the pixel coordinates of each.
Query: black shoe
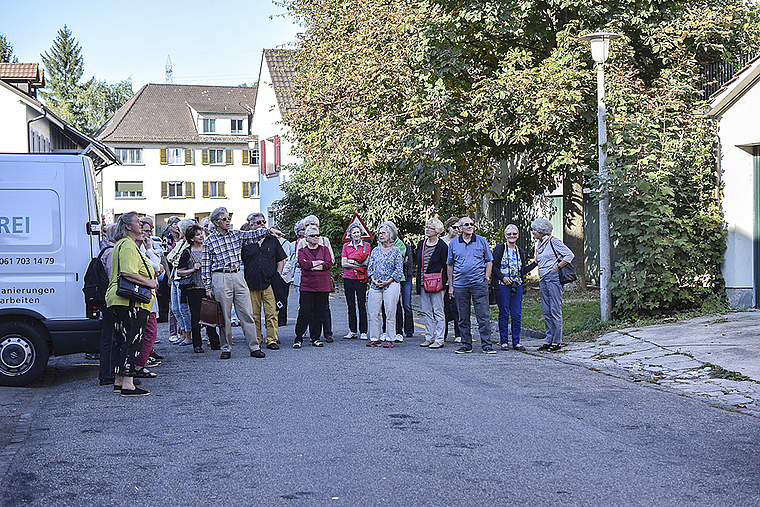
column 296, row 345
column 519, row 347
column 554, row 347
column 329, row 339
column 463, row 350
column 317, row 343
column 225, row 355
column 545, row 346
column 258, row 353
column 134, row 392
column 273, row 346
column 198, row 349
column 92, row 356
column 143, row 373
column 488, row 350
column 106, row 381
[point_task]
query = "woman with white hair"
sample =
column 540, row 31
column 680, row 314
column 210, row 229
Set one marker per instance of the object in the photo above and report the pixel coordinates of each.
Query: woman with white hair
column 315, row 261
column 551, row 254
column 509, row 270
column 323, row 241
column 384, row 271
column 431, row 261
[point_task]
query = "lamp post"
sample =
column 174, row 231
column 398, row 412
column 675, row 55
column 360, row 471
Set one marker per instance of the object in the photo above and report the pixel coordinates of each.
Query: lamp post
column 600, row 48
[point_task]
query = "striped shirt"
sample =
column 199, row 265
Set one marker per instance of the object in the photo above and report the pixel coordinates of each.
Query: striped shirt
column 222, row 251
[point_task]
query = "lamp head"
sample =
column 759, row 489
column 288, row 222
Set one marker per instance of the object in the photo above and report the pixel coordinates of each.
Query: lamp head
column 600, row 44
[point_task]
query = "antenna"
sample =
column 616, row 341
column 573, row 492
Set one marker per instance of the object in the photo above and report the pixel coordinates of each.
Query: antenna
column 169, row 71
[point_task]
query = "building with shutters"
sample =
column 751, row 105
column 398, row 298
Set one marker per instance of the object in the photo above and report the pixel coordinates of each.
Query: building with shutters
column 185, row 150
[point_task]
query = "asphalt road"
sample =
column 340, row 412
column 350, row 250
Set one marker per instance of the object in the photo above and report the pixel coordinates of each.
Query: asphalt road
column 347, row 425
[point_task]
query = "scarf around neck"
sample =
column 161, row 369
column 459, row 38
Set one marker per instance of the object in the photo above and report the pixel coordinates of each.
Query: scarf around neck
column 541, row 245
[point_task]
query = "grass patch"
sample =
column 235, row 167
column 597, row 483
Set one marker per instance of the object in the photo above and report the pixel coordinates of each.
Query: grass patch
column 719, row 372
column 582, row 314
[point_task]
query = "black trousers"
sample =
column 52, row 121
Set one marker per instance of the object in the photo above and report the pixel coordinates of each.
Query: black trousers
column 127, row 338
column 194, row 297
column 311, row 314
column 282, row 316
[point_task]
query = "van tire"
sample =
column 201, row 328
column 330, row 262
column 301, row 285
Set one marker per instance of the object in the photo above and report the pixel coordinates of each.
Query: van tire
column 23, row 353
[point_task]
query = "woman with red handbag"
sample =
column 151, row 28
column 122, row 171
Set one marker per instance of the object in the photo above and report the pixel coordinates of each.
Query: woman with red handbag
column 354, row 259
column 431, row 281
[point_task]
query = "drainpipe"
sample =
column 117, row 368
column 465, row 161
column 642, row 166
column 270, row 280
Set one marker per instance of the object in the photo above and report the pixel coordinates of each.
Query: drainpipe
column 28, row 130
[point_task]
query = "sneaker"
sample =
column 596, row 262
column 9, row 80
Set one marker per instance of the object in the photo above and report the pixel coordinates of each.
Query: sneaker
column 463, row 350
column 426, row 343
column 399, row 338
column 374, row 343
column 152, row 363
column 225, row 355
column 488, row 350
column 258, row 353
column 505, row 346
column 351, row 335
column 554, row 347
column 384, row 337
column 317, row 343
column 363, row 336
column 458, row 339
column 173, row 338
column 519, row 347
column 134, row 392
column 436, row 345
column 388, row 344
column 545, row 346
column 296, row 345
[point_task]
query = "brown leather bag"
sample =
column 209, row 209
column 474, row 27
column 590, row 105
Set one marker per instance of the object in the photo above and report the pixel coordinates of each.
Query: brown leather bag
column 211, row 313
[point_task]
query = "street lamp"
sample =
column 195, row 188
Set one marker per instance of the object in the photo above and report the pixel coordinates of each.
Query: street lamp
column 600, row 48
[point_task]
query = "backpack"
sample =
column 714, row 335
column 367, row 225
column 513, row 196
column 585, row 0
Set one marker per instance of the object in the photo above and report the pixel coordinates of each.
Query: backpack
column 96, row 282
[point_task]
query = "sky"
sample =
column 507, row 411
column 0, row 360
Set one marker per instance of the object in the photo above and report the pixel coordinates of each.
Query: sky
column 209, row 42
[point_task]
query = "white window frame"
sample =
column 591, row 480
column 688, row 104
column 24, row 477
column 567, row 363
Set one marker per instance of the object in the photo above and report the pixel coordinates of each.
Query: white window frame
column 213, row 159
column 175, row 156
column 213, row 189
column 209, row 125
column 130, row 156
column 255, row 159
column 174, row 185
column 129, row 194
column 233, row 126
column 251, row 186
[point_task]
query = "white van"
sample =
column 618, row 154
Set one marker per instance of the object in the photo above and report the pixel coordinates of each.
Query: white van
column 49, row 231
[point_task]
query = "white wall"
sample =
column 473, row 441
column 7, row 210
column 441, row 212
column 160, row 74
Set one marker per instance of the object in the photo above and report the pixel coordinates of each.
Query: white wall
column 13, row 118
column 739, row 126
column 152, row 173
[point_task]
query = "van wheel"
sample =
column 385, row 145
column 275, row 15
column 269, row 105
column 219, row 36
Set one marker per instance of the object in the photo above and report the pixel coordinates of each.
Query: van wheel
column 23, row 353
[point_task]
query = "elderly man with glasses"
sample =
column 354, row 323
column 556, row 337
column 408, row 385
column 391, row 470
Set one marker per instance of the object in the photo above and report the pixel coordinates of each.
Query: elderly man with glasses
column 220, row 267
column 469, row 265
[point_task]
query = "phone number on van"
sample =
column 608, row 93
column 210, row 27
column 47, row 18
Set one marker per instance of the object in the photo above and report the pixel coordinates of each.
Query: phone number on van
column 7, row 261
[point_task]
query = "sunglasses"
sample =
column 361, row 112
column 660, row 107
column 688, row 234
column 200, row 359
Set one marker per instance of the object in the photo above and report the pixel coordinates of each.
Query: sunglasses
column 259, row 222
column 512, row 234
column 313, row 235
column 468, row 224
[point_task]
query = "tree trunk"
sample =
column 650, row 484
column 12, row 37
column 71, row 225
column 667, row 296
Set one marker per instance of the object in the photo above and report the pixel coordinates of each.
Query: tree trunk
column 572, row 203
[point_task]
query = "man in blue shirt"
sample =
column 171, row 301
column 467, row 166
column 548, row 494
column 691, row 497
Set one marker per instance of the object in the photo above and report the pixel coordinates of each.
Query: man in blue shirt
column 469, row 268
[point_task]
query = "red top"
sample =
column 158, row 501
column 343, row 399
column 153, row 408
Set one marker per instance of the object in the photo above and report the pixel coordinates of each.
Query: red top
column 315, row 281
column 359, row 254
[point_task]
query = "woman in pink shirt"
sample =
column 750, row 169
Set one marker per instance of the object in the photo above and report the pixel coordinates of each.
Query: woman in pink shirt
column 315, row 261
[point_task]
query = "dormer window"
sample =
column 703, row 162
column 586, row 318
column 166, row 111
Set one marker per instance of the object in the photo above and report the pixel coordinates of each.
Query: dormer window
column 209, row 126
column 236, row 126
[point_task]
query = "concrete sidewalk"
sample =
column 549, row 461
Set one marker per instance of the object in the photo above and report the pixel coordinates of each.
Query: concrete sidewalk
column 676, row 356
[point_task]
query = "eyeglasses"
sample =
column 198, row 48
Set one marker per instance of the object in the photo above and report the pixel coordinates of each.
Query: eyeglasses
column 468, row 224
column 313, row 235
column 511, row 234
column 259, row 222
column 225, row 219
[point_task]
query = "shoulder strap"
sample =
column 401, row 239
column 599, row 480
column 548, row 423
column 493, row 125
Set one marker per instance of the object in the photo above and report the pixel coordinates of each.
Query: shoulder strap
column 552, row 245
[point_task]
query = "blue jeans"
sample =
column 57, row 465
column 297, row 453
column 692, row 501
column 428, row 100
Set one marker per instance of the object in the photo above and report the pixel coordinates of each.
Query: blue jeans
column 509, row 305
column 404, row 321
column 479, row 295
column 181, row 310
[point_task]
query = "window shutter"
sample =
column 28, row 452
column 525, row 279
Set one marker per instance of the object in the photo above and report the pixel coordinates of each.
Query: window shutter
column 189, row 189
column 246, row 157
column 276, row 153
column 263, row 157
column 220, row 189
column 246, row 189
column 164, row 156
column 205, row 189
column 188, row 156
column 164, row 189
column 204, row 156
column 228, row 157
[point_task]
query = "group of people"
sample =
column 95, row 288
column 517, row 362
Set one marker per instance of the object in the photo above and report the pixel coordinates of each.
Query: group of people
column 250, row 270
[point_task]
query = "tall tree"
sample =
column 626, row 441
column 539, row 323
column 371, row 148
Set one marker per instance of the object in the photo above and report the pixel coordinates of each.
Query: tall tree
column 65, row 66
column 6, row 51
column 97, row 101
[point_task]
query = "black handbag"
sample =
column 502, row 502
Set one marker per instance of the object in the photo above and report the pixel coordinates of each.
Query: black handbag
column 134, row 292
column 566, row 272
